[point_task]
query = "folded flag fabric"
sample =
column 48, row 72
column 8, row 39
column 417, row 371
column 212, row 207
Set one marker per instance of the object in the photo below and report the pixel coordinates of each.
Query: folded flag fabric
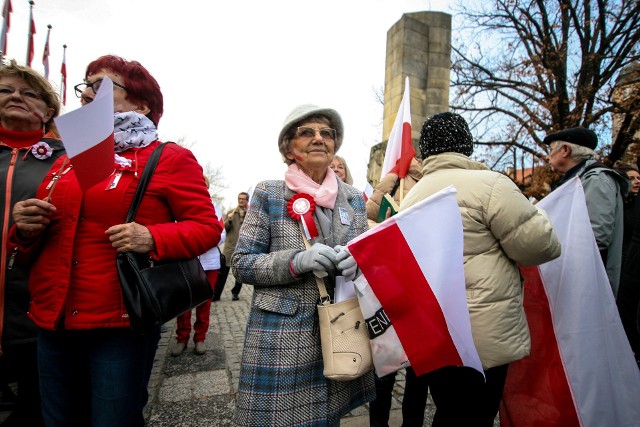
column 387, row 203
column 368, row 191
column 413, row 263
column 400, row 149
column 386, row 349
column 87, row 134
column 581, row 370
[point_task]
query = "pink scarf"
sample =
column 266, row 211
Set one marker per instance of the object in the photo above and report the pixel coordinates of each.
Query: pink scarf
column 299, row 182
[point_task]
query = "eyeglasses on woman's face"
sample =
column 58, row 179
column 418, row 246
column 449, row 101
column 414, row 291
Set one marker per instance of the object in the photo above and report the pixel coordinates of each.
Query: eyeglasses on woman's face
column 24, row 92
column 306, row 132
column 80, row 88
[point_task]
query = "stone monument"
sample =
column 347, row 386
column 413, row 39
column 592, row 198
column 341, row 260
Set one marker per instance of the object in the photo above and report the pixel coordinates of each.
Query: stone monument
column 418, row 46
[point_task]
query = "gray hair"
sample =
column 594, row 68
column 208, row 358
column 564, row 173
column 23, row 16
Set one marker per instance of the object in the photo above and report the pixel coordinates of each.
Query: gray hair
column 579, row 153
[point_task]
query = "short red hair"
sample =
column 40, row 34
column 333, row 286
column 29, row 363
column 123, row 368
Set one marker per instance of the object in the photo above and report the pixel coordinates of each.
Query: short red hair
column 141, row 86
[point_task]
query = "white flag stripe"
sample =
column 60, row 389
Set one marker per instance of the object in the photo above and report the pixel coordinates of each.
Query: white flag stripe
column 387, row 350
column 426, row 229
column 218, row 209
column 602, row 374
column 89, row 125
column 368, row 190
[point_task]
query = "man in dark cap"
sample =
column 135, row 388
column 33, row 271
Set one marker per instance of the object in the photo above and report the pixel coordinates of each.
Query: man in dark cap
column 501, row 229
column 571, row 153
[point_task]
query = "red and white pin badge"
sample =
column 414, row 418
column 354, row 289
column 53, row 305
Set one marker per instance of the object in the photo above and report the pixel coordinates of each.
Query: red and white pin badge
column 301, row 208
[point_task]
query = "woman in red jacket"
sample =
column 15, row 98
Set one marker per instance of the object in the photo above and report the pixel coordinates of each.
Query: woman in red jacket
column 94, row 370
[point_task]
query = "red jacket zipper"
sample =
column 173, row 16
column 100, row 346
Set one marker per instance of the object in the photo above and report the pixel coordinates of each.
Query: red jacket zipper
column 5, row 231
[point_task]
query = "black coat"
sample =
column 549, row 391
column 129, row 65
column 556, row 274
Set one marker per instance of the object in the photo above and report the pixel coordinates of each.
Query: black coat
column 20, row 182
column 628, row 299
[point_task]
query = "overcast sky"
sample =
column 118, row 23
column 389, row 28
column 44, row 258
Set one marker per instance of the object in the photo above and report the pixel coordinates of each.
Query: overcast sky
column 231, row 71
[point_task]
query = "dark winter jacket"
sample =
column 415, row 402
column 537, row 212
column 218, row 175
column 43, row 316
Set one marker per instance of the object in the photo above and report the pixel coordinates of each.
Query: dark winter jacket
column 21, row 172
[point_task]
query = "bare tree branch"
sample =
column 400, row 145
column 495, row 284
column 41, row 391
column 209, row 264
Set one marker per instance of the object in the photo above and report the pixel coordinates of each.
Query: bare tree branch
column 538, row 66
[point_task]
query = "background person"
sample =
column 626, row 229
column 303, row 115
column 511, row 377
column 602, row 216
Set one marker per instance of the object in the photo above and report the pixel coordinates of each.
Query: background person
column 389, row 184
column 232, row 224
column 634, row 176
column 628, row 300
column 210, row 261
column 340, row 168
column 28, row 148
column 281, row 380
column 604, row 191
column 501, row 230
column 94, row 369
column 632, row 173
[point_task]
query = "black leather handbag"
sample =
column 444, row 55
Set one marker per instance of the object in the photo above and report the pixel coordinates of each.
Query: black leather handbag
column 155, row 292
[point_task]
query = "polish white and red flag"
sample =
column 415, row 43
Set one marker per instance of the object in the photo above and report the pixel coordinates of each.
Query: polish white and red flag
column 63, row 72
column 400, row 149
column 87, row 134
column 219, row 215
column 6, row 15
column 368, row 191
column 45, row 54
column 415, row 268
column 32, row 31
column 581, row 370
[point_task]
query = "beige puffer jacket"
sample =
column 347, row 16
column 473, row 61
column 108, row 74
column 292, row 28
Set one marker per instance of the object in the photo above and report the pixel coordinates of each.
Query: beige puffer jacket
column 386, row 185
column 501, row 229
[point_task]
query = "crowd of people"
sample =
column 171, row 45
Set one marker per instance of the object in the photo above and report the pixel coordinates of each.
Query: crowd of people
column 66, row 336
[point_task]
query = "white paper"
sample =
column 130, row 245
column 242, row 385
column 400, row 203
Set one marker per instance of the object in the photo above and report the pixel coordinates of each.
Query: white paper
column 344, row 289
column 87, row 126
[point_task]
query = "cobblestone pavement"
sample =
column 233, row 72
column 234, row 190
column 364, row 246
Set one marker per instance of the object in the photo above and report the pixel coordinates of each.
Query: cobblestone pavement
column 198, row 391
column 191, row 390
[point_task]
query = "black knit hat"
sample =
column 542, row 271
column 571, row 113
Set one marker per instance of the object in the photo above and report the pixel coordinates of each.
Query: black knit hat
column 445, row 132
column 579, row 136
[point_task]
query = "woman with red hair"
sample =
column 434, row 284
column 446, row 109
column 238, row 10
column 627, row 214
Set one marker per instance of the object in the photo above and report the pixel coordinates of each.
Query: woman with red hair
column 94, row 369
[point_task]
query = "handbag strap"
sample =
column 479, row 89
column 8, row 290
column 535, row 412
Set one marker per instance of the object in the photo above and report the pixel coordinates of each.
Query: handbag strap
column 149, row 168
column 325, row 299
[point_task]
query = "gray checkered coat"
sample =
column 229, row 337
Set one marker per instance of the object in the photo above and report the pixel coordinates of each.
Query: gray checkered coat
column 281, row 381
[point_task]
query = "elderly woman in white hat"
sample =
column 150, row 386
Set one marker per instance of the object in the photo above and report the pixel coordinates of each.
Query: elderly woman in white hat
column 281, row 381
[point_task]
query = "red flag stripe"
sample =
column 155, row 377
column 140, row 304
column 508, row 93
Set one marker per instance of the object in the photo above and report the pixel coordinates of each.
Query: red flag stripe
column 45, row 55
column 6, row 14
column 85, row 166
column 407, row 153
column 429, row 347
column 63, row 72
column 544, row 394
column 32, row 31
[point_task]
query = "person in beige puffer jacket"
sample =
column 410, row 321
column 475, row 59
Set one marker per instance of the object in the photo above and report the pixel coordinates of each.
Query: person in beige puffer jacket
column 502, row 230
column 389, row 184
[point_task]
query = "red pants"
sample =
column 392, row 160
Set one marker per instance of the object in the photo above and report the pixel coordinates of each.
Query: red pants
column 201, row 325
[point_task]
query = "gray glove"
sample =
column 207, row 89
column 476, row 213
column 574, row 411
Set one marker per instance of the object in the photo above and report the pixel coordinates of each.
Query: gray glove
column 346, row 263
column 318, row 258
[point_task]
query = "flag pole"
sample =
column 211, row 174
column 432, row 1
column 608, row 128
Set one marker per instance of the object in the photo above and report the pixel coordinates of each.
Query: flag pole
column 6, row 10
column 30, row 34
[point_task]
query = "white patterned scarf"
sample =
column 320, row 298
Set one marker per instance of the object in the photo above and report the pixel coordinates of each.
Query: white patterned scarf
column 132, row 130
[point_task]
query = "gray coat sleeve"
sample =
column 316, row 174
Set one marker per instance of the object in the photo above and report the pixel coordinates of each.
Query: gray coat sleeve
column 601, row 192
